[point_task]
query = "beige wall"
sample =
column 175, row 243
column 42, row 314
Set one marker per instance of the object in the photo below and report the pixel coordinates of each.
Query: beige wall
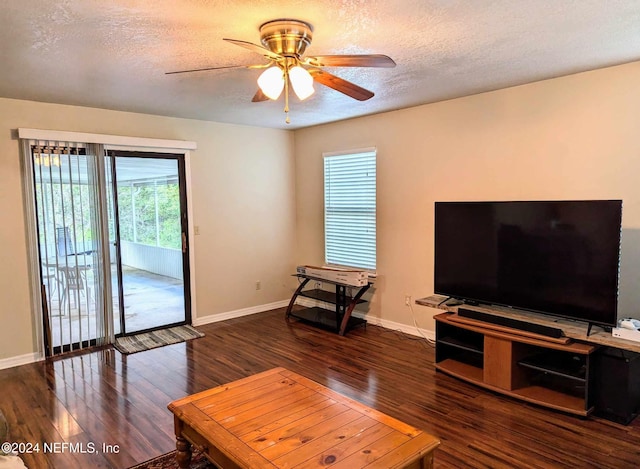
column 569, row 138
column 576, row 137
column 243, row 200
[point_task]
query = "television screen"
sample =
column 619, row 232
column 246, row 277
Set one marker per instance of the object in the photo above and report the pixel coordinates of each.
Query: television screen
column 554, row 257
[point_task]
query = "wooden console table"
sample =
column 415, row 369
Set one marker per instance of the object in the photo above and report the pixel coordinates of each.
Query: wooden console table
column 340, row 319
column 279, row 419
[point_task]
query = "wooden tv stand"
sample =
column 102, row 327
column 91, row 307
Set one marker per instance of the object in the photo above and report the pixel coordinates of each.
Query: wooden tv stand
column 554, row 373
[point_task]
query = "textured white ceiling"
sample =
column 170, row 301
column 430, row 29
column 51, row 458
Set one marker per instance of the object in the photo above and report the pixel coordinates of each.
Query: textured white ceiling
column 113, row 54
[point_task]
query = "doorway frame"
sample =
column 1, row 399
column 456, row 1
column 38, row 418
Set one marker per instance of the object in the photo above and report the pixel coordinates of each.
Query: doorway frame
column 110, row 142
column 112, row 155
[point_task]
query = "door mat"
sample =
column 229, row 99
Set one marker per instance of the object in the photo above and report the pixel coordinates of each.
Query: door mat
column 168, row 461
column 154, row 339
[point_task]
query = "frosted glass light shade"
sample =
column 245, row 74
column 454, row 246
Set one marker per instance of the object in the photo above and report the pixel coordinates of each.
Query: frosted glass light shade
column 302, row 82
column 271, row 82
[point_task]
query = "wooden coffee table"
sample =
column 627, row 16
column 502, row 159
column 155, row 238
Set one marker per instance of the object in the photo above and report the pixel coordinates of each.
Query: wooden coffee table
column 278, row 419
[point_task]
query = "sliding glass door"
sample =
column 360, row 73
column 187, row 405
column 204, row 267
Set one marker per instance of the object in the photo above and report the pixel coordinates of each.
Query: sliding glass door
column 148, row 226
column 111, row 242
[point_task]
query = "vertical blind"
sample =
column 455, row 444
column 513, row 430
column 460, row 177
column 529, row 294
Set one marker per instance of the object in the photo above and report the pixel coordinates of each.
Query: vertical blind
column 66, row 197
column 350, row 209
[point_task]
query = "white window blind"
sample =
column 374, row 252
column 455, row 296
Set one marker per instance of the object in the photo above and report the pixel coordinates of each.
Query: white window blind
column 350, row 209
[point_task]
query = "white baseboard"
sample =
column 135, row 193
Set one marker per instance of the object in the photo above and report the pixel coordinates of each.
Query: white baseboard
column 239, row 313
column 19, row 360
column 395, row 326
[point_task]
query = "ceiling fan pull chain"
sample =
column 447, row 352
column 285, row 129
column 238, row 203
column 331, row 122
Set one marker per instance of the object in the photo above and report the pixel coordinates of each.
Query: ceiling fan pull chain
column 286, row 92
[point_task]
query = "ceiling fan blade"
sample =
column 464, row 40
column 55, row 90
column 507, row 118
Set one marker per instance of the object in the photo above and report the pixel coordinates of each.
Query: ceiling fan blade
column 255, row 48
column 227, row 67
column 370, row 60
column 209, row 68
column 343, row 86
column 259, row 96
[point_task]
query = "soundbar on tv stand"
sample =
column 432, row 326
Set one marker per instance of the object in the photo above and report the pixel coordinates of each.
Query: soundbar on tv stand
column 518, row 324
column 547, row 331
column 451, row 303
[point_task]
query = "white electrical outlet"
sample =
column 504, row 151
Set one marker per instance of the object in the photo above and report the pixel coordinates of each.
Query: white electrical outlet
column 407, row 300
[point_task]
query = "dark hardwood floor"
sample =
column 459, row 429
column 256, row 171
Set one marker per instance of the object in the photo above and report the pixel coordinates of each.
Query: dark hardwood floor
column 104, row 397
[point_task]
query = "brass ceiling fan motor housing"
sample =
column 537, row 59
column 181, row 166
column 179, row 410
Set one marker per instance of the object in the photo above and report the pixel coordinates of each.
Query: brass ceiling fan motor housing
column 286, row 36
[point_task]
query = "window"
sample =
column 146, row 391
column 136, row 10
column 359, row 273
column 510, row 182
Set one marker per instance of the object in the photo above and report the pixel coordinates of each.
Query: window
column 350, row 209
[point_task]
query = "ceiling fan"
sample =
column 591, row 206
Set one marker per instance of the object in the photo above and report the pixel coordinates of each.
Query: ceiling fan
column 284, row 42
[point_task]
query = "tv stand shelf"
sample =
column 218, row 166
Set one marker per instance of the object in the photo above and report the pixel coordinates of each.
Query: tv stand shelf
column 533, row 369
column 558, row 364
column 454, row 342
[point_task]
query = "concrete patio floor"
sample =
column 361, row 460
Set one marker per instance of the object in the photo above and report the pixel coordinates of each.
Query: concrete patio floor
column 150, row 300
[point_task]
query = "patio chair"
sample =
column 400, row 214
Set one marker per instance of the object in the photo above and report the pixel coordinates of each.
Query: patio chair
column 74, row 281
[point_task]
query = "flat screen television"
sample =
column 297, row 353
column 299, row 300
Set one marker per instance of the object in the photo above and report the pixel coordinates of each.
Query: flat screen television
column 554, row 257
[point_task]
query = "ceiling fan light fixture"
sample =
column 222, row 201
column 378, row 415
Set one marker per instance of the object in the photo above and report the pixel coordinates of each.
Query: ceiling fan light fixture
column 284, row 42
column 302, row 82
column 271, row 82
